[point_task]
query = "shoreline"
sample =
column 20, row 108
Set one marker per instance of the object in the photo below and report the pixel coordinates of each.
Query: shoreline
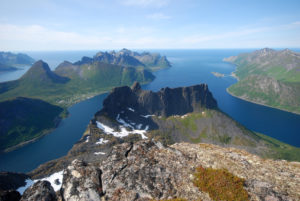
column 259, row 103
column 48, row 131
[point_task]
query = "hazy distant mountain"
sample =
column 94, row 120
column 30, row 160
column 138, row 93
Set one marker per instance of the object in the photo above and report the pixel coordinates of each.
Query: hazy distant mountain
column 125, row 57
column 268, row 77
column 5, row 67
column 12, row 59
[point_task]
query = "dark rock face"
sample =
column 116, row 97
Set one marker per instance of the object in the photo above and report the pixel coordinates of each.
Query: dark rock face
column 81, row 182
column 9, row 195
column 10, row 180
column 166, row 102
column 136, row 104
column 40, row 191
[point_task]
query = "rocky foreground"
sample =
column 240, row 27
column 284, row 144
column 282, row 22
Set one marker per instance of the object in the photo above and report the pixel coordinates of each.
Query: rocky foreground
column 147, row 170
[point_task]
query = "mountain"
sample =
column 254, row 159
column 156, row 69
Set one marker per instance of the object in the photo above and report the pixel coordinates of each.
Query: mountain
column 11, row 59
column 24, row 119
column 65, row 86
column 71, row 83
column 268, row 77
column 5, row 67
column 125, row 57
column 187, row 114
column 143, row 146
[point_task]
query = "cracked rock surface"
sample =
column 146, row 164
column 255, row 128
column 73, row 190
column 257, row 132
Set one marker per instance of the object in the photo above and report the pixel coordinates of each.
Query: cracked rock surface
column 147, row 170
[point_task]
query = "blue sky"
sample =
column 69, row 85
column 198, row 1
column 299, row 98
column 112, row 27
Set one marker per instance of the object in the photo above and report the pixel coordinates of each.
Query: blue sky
column 148, row 24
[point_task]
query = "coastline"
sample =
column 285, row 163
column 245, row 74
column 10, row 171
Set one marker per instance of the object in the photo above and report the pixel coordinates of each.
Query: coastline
column 260, row 103
column 48, row 131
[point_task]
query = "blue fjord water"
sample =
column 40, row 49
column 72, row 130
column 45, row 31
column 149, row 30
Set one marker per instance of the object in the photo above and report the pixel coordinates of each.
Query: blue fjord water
column 189, row 67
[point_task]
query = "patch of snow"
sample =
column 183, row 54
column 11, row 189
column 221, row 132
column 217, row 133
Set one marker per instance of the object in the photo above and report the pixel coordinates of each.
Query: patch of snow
column 102, row 141
column 28, row 183
column 123, row 131
column 129, row 108
column 139, row 126
column 124, row 123
column 184, row 116
column 52, row 178
column 87, row 139
column 147, row 116
column 105, row 128
column 147, row 127
column 99, row 153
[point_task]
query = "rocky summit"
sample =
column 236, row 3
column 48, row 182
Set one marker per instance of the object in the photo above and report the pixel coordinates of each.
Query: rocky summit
column 138, row 105
column 147, row 170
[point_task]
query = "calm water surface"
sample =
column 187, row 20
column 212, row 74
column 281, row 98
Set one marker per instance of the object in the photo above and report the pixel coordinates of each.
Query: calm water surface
column 189, row 67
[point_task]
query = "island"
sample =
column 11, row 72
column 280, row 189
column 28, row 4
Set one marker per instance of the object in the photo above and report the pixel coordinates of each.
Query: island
column 70, row 83
column 268, row 77
column 10, row 61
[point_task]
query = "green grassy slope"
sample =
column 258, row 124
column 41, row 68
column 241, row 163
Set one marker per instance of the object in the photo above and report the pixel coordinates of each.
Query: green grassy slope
column 23, row 119
column 268, row 77
column 215, row 127
column 64, row 88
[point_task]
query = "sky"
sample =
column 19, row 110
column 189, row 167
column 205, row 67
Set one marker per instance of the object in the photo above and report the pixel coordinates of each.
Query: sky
column 33, row 25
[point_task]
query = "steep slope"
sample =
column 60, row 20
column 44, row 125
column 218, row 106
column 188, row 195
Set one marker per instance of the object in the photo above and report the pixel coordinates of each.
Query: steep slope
column 38, row 82
column 268, row 77
column 187, row 114
column 71, row 83
column 24, row 119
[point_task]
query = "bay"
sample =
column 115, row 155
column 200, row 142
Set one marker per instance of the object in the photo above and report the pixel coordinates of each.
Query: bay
column 189, row 67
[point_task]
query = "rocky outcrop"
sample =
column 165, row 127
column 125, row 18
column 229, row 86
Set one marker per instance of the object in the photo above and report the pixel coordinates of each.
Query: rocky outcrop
column 40, row 191
column 81, row 182
column 147, row 170
column 122, row 101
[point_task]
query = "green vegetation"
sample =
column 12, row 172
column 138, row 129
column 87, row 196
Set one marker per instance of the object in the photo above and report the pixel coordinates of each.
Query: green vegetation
column 220, row 184
column 215, row 127
column 68, row 84
column 65, row 88
column 24, row 119
column 268, row 77
column 280, row 150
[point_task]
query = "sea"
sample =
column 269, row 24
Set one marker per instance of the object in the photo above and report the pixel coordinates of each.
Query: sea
column 189, row 67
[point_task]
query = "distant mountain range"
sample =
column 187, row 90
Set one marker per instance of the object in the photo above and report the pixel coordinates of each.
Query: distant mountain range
column 73, row 82
column 9, row 61
column 268, row 77
column 125, row 57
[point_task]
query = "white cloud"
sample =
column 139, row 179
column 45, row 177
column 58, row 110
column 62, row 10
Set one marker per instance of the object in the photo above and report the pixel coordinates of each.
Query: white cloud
column 158, row 16
column 146, row 3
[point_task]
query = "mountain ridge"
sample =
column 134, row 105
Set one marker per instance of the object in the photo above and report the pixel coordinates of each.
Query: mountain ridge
column 268, row 77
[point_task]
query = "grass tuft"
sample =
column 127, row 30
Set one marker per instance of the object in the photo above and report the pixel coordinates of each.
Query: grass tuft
column 220, row 184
